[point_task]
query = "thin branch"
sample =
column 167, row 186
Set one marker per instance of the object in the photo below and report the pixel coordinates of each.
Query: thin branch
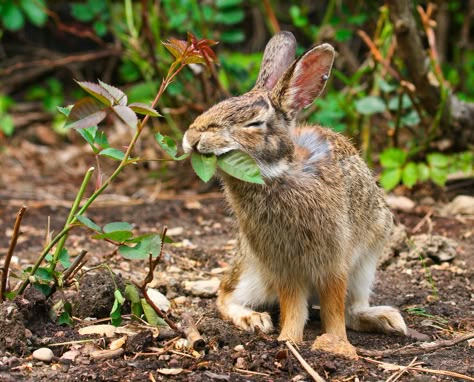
column 68, row 272
column 271, row 16
column 412, row 350
column 305, row 364
column 11, row 250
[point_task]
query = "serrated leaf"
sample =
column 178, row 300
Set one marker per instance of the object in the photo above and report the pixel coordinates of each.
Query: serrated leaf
column 437, row 160
column 143, row 108
column 118, row 236
column 88, row 134
column 110, row 152
column 86, row 112
column 204, row 165
column 88, row 223
column 167, row 144
column 390, row 178
column 101, row 139
column 127, row 115
column 240, row 166
column 410, row 175
column 393, row 158
column 65, row 110
column 119, row 97
column 370, row 105
column 132, row 294
column 97, row 92
column 423, row 172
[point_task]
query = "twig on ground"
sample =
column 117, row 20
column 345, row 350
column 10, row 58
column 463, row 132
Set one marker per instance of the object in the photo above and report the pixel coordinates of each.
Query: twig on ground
column 305, row 364
column 412, row 350
column 11, row 249
column 393, row 366
column 422, row 221
column 251, row 372
column 75, row 264
column 192, row 333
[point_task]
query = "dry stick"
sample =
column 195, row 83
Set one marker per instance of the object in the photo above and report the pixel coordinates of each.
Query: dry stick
column 11, row 249
column 192, row 333
column 305, row 364
column 74, row 265
column 410, row 350
column 422, row 221
column 423, row 370
column 271, row 16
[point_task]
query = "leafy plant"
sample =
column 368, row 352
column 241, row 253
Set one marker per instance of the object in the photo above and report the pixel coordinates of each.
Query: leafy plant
column 95, row 11
column 7, row 126
column 13, row 14
column 397, row 169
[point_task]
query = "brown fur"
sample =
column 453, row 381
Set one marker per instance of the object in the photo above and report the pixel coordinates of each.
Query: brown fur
column 319, row 221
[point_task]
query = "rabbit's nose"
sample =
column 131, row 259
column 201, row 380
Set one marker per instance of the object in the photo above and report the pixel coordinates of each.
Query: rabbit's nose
column 190, row 142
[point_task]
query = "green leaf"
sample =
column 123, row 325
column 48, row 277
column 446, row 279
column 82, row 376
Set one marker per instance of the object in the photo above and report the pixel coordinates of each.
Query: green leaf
column 64, row 258
column 204, row 165
column 118, row 236
column 117, row 226
column 390, row 178
column 150, row 244
column 101, row 139
column 65, row 319
column 232, row 36
column 227, row 3
column 143, row 108
column 385, row 86
column 89, row 136
column 151, row 317
column 438, row 160
column 82, row 12
column 100, row 28
column 7, row 126
column 44, row 274
column 85, row 113
column 97, row 92
column 119, row 97
column 12, row 18
column 88, row 223
column 43, row 288
column 115, row 314
column 34, row 10
column 230, row 16
column 410, row 175
column 132, row 294
column 240, row 166
column 167, row 144
column 393, row 158
column 343, row 34
column 110, row 152
column 423, row 172
column 439, row 175
column 394, row 102
column 370, row 105
column 65, row 110
column 411, row 118
column 119, row 297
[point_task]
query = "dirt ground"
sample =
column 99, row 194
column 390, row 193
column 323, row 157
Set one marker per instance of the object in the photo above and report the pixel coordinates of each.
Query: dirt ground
column 436, row 297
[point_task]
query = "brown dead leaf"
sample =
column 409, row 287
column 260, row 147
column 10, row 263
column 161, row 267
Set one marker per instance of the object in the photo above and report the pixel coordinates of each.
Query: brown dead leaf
column 174, row 371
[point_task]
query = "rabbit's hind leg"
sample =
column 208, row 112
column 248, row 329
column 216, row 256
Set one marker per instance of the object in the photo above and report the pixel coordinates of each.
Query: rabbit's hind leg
column 360, row 315
column 242, row 288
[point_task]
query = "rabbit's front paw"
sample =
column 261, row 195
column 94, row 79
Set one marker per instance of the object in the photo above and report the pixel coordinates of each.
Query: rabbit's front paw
column 253, row 319
column 382, row 319
column 334, row 345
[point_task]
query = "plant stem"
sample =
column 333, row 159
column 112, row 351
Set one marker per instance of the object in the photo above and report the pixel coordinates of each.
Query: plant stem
column 11, row 249
column 71, row 216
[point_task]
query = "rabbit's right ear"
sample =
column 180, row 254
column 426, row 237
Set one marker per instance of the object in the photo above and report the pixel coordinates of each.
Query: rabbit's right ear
column 278, row 56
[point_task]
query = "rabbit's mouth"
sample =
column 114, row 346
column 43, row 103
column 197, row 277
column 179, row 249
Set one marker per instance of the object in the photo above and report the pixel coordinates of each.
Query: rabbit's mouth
column 204, row 144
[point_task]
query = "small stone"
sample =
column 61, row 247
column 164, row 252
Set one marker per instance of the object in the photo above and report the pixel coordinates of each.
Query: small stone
column 159, row 299
column 240, row 363
column 460, row 205
column 28, row 333
column 180, row 300
column 401, row 203
column 43, row 354
column 125, row 266
column 203, row 288
column 239, row 348
column 193, row 205
column 176, row 231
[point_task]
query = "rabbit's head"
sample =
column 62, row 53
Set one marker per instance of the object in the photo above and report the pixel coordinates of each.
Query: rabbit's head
column 258, row 122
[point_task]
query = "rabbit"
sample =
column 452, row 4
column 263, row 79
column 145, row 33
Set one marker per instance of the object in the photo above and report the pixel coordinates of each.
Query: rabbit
column 318, row 223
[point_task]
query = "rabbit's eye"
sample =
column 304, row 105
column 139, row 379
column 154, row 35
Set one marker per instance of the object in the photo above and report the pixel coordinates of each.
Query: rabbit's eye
column 255, row 124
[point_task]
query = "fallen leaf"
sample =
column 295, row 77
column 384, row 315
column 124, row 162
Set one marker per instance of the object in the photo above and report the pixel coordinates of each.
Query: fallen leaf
column 166, row 371
column 102, row 330
column 118, row 343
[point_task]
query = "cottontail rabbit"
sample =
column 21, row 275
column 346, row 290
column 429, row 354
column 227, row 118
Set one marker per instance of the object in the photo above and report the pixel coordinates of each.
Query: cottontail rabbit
column 319, row 223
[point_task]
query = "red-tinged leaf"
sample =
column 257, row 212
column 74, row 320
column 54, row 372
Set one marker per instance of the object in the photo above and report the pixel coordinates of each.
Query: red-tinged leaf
column 175, row 47
column 120, row 98
column 97, row 91
column 85, row 113
column 127, row 115
column 142, row 108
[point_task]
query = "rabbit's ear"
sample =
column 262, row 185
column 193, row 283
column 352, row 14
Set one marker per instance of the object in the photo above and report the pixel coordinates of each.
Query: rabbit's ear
column 304, row 80
column 278, row 56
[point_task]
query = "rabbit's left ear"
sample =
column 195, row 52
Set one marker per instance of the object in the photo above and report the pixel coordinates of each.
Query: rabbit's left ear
column 304, row 80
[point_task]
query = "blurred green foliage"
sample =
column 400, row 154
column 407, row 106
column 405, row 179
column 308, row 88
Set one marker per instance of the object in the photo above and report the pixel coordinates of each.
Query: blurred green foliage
column 363, row 99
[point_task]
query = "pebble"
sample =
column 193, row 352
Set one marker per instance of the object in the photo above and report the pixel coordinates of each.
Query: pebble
column 401, row 203
column 176, row 231
column 159, row 299
column 43, row 354
column 180, row 300
column 460, row 205
column 239, row 348
column 203, row 288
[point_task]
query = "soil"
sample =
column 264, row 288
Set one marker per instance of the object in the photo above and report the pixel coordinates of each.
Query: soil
column 436, row 299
